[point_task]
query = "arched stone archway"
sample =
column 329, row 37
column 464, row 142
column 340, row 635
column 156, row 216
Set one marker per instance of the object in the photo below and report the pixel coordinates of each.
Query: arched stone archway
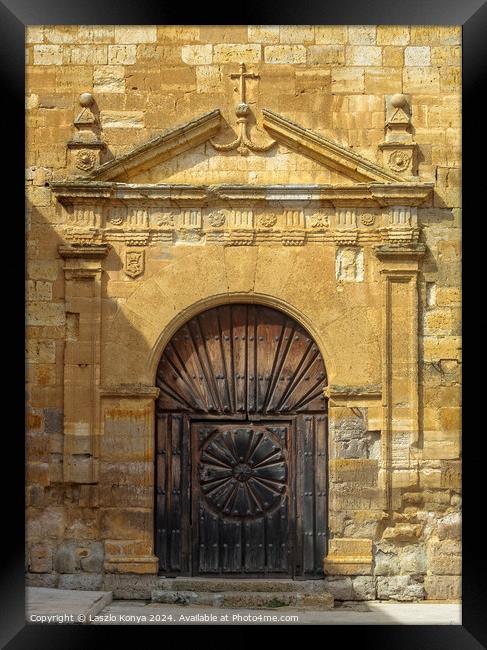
column 241, row 446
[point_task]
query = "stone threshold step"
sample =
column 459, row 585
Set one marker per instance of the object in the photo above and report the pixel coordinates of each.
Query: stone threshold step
column 241, row 584
column 247, row 599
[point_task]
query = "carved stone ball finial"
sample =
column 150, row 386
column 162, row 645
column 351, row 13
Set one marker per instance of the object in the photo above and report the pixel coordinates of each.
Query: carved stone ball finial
column 399, row 100
column 242, row 109
column 86, row 99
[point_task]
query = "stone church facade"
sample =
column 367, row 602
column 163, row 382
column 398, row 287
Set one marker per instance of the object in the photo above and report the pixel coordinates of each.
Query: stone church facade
column 243, row 306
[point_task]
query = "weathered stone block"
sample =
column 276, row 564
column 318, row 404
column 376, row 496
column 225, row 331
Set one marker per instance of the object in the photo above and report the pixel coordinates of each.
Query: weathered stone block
column 450, row 526
column 417, row 56
column 402, row 588
column 122, row 119
column 285, row 54
column 53, row 420
column 393, row 35
column 236, row 53
column 122, row 54
column 443, row 587
column 135, row 34
column 363, row 55
column 339, row 588
column 45, row 313
column 40, row 558
column 49, row 580
column 48, row 55
column 79, row 555
column 296, row 33
column 330, row 35
column 125, row 523
column 326, row 55
column 109, row 79
column 363, row 588
column 81, row 581
column 130, row 587
column 197, row 54
column 263, row 34
column 347, row 80
column 403, row 533
column 362, row 34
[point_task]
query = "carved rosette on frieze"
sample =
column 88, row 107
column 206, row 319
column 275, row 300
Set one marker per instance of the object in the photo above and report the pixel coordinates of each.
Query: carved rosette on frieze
column 217, row 219
column 367, row 219
column 267, row 220
column 166, row 220
column 319, row 221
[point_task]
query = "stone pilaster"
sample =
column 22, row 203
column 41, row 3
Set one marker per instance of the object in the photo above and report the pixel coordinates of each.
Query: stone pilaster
column 400, row 269
column 127, row 478
column 82, row 276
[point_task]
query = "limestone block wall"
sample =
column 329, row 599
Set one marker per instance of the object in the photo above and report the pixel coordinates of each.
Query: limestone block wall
column 400, row 533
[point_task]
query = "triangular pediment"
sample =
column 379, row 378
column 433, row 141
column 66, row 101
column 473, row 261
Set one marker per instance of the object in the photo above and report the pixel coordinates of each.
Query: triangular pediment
column 185, row 151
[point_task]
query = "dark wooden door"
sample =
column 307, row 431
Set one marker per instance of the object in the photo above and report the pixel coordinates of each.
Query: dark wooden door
column 242, row 481
column 241, row 447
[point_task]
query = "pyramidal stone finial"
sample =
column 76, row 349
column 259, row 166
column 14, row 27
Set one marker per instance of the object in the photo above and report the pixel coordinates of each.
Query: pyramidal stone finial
column 399, row 149
column 85, row 146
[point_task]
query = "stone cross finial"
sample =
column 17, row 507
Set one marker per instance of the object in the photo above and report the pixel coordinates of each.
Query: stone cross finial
column 242, row 143
column 242, row 75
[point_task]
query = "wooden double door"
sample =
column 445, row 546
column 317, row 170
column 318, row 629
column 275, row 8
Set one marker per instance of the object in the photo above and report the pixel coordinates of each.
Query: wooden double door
column 241, row 475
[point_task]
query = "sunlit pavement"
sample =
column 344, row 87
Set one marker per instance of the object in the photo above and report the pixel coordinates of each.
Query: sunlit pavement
column 141, row 613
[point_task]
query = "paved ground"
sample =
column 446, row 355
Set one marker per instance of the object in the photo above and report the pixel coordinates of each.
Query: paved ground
column 45, row 605
column 96, row 608
column 126, row 612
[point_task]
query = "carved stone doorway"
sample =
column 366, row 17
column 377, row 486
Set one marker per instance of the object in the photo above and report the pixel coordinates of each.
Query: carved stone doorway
column 241, row 447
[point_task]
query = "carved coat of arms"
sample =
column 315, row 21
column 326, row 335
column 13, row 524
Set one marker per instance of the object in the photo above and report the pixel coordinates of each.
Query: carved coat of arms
column 134, row 263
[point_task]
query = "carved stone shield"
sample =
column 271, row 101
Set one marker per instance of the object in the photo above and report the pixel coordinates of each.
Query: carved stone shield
column 134, row 263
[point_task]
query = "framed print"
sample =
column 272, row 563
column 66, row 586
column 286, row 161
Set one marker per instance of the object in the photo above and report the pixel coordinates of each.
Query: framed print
column 243, row 335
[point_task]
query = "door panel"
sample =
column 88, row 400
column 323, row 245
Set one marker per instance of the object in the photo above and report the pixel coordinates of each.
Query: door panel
column 241, row 498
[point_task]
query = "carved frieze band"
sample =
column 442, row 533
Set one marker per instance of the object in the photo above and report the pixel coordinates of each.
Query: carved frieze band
column 137, row 225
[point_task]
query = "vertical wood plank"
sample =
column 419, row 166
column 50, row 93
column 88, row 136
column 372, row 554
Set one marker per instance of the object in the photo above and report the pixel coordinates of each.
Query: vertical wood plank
column 175, row 519
column 232, row 546
column 308, row 497
column 300, row 470
column 254, row 546
column 321, row 437
column 161, row 491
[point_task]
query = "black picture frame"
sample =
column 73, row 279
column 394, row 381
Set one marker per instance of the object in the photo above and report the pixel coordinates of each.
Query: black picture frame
column 14, row 16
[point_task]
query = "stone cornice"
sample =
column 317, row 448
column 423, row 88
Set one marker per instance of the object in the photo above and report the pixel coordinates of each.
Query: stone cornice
column 86, row 251
column 360, row 194
column 325, row 151
column 400, row 251
column 168, row 144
